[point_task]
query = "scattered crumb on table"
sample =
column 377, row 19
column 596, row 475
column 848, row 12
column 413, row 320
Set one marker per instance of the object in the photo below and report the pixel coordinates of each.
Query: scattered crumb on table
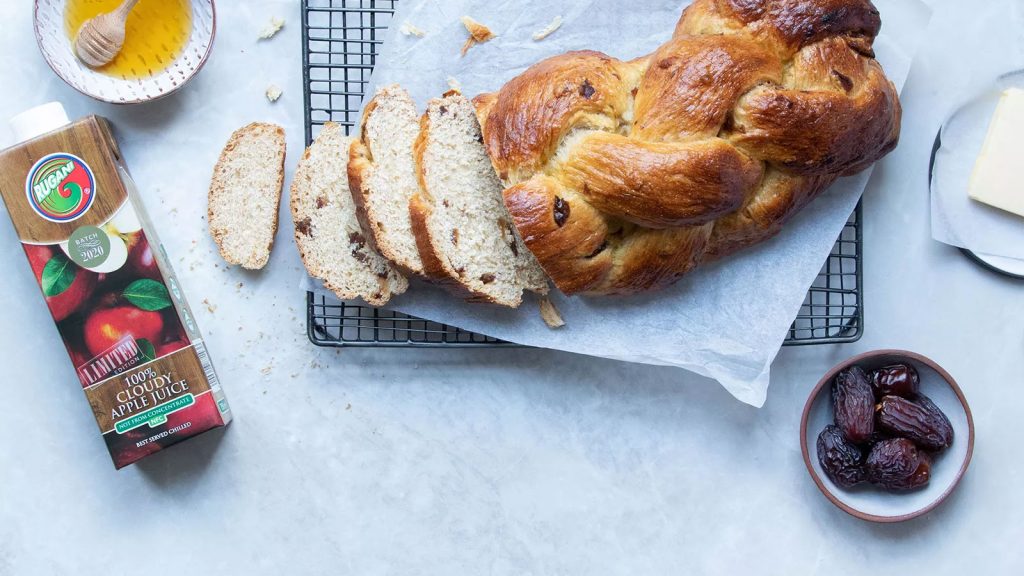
column 412, row 30
column 548, row 30
column 551, row 316
column 272, row 28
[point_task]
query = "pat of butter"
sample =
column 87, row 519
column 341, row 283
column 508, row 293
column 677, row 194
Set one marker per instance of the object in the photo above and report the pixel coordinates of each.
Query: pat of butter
column 996, row 179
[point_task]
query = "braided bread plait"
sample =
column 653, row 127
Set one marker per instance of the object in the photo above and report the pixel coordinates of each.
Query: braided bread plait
column 623, row 176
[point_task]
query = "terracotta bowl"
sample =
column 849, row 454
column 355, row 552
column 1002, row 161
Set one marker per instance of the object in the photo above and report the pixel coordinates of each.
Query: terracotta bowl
column 58, row 51
column 869, row 502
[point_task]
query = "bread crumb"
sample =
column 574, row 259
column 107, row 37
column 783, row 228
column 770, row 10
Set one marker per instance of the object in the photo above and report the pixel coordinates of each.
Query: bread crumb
column 552, row 317
column 412, row 30
column 274, row 92
column 478, row 33
column 272, row 28
column 209, row 307
column 548, row 30
column 454, row 84
column 266, row 369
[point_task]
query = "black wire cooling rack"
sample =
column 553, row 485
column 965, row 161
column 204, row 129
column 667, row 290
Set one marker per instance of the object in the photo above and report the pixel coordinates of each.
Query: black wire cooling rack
column 340, row 43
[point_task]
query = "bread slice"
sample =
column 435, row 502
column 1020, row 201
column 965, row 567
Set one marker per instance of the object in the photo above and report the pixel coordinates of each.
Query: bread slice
column 464, row 234
column 382, row 175
column 245, row 194
column 331, row 242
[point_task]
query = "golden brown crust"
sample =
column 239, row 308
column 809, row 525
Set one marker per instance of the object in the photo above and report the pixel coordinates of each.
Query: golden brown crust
column 660, row 184
column 785, row 25
column 359, row 161
column 531, row 115
column 566, row 234
column 840, row 115
column 626, row 175
column 777, row 200
column 693, row 83
column 421, row 205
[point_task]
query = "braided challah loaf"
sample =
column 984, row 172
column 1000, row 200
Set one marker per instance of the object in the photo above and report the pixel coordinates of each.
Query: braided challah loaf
column 623, row 176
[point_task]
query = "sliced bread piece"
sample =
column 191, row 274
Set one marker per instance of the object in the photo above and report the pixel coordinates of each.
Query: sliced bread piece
column 245, row 194
column 331, row 242
column 465, row 235
column 382, row 174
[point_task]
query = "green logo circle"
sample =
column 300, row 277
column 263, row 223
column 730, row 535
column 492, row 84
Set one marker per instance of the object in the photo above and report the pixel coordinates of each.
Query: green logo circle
column 89, row 247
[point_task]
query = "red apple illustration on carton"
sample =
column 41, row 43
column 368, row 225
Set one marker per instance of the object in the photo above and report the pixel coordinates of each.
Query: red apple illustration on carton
column 65, row 285
column 105, row 327
column 141, row 260
column 135, row 311
column 170, row 347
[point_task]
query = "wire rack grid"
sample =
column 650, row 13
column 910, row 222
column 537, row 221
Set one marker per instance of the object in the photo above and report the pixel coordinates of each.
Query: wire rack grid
column 340, row 43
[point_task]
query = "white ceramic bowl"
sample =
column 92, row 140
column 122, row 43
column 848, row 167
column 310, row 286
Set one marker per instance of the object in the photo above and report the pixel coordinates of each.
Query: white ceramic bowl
column 869, row 502
column 59, row 54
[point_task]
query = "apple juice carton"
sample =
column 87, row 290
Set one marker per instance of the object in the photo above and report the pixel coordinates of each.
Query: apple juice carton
column 109, row 285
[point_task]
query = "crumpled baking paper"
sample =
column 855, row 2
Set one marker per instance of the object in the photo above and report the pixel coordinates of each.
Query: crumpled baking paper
column 956, row 219
column 726, row 320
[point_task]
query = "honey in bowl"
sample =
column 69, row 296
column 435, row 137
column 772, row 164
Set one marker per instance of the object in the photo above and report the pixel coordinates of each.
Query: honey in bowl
column 156, row 34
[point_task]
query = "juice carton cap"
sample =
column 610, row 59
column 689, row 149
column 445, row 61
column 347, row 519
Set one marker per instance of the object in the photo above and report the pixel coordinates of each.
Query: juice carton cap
column 38, row 121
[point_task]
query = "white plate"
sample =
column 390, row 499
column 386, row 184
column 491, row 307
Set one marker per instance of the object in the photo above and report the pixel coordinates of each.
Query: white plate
column 57, row 49
column 869, row 502
column 959, row 220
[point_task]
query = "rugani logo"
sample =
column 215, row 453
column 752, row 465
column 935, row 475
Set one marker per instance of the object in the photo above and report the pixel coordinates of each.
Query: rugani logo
column 60, row 187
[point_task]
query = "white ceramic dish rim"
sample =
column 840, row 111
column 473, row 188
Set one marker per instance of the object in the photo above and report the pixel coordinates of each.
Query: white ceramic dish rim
column 805, row 440
column 144, row 89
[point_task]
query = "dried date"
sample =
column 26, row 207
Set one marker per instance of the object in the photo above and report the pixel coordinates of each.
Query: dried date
column 897, row 464
column 854, row 404
column 895, row 380
column 919, row 420
column 920, row 476
column 841, row 460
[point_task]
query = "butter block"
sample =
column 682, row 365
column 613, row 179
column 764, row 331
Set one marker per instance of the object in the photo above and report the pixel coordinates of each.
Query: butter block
column 997, row 178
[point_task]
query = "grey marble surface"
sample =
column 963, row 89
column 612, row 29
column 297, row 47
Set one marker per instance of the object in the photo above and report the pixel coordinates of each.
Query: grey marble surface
column 483, row 462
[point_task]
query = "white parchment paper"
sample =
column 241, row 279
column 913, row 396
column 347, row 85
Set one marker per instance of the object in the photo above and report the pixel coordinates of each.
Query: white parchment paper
column 725, row 321
column 998, row 29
